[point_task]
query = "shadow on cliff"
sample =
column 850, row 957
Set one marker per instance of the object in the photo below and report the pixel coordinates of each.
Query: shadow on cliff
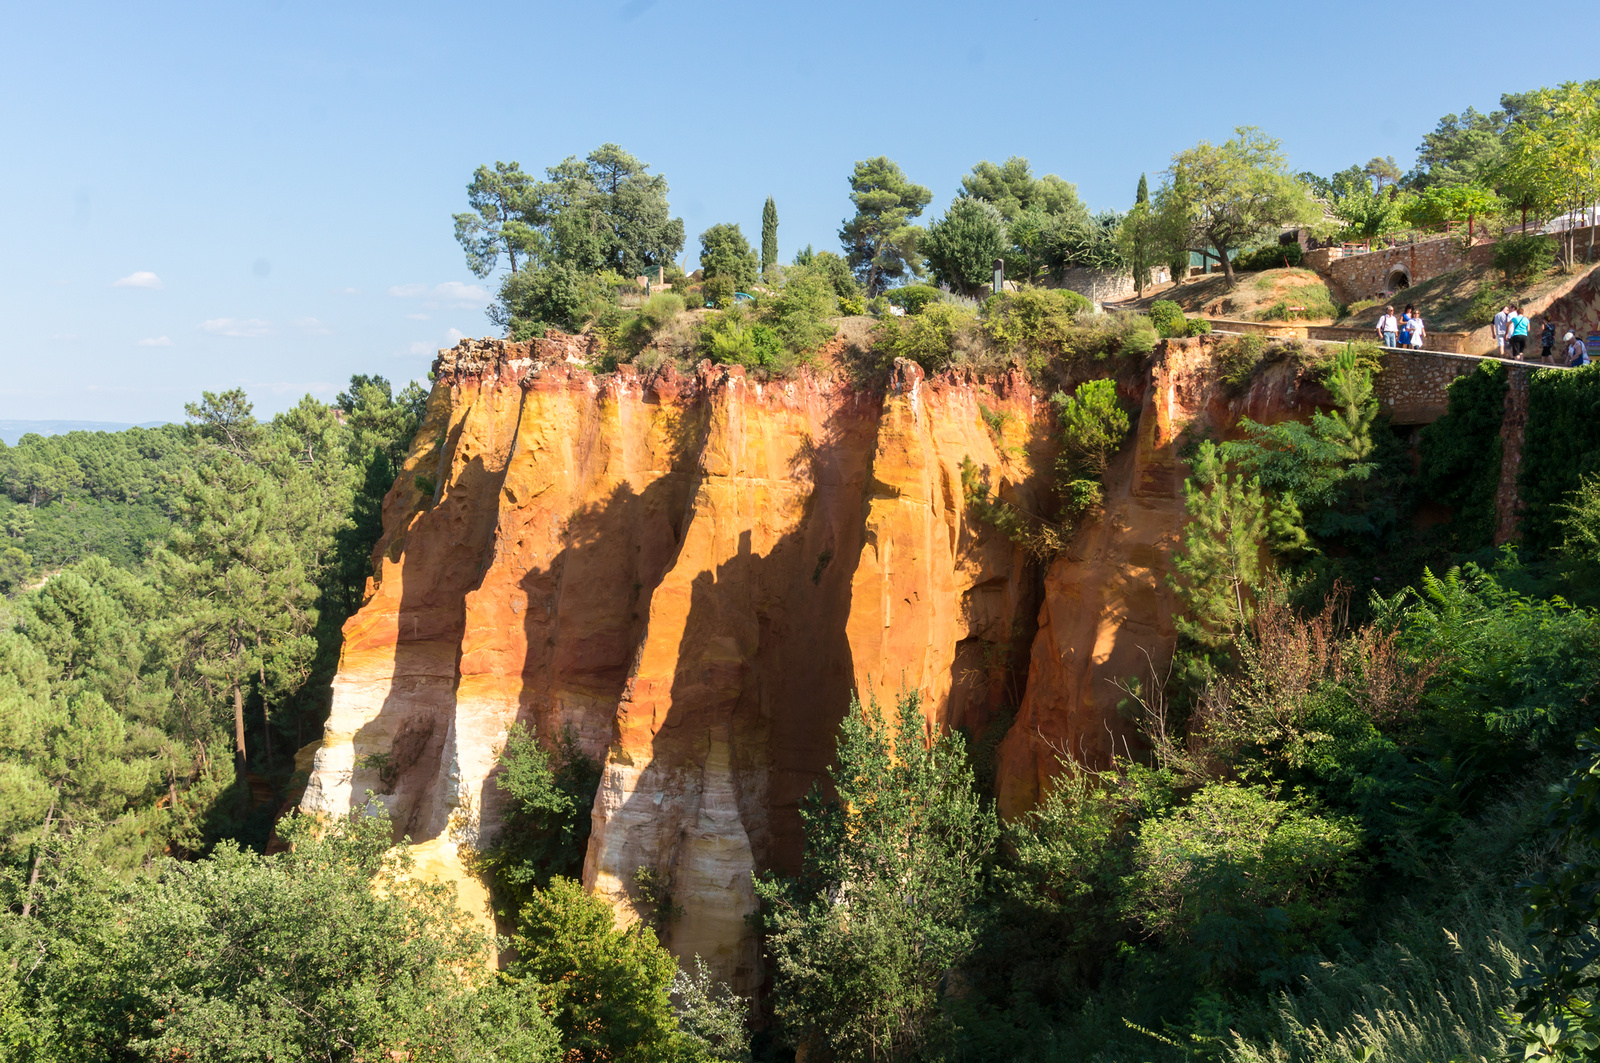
column 443, row 551
column 722, row 748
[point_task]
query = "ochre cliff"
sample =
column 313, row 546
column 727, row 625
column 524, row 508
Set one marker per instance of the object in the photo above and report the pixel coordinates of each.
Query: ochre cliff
column 694, row 573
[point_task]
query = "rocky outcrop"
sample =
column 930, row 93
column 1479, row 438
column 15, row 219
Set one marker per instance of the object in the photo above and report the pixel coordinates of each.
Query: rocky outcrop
column 1107, row 614
column 693, row 573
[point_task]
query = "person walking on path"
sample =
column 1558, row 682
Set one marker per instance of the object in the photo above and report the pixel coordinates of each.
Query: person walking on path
column 1406, row 317
column 1517, row 333
column 1547, row 340
column 1500, row 319
column 1388, row 327
column 1577, row 352
column 1417, row 331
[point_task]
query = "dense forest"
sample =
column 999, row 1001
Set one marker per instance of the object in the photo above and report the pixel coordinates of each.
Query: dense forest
column 1360, row 825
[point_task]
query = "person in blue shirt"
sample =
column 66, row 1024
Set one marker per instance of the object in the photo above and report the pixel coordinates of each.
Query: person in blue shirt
column 1517, row 333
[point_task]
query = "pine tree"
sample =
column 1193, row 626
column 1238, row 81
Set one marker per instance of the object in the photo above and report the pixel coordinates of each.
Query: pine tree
column 240, row 567
column 1219, row 565
column 769, row 235
column 884, row 904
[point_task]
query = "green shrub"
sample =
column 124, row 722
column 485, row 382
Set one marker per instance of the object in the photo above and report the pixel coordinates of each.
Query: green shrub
column 1199, row 326
column 1167, row 317
column 852, row 305
column 1032, row 320
column 546, row 821
column 1562, row 448
column 1520, row 258
column 1487, row 303
column 801, row 312
column 1238, row 357
column 724, row 252
column 928, row 338
column 1460, row 454
column 556, row 295
column 838, row 272
column 1436, row 985
column 1273, row 256
column 731, row 338
column 605, row 988
column 1105, row 336
column 914, row 297
column 719, row 291
column 635, row 332
column 1093, row 424
column 1247, row 879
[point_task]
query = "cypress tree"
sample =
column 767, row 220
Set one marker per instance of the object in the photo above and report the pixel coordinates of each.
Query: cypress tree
column 1144, row 191
column 769, row 235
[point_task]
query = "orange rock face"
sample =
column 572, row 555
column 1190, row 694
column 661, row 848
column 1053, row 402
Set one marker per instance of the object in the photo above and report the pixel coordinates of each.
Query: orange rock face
column 1108, row 608
column 695, row 573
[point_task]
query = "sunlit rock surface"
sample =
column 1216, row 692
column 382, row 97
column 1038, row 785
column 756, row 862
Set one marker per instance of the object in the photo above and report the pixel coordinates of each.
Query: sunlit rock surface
column 695, row 572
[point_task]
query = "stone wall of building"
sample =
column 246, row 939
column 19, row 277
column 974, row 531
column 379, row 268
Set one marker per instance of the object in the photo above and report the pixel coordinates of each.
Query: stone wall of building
column 1368, row 276
column 1099, row 285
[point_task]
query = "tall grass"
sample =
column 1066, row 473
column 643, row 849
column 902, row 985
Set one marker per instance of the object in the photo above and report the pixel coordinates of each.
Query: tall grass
column 1435, row 984
column 1432, row 993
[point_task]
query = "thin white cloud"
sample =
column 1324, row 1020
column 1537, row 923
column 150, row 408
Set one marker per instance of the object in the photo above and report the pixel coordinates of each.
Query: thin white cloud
column 154, row 341
column 418, row 317
column 242, row 328
column 452, row 293
column 310, row 326
column 451, row 338
column 466, row 294
column 141, row 279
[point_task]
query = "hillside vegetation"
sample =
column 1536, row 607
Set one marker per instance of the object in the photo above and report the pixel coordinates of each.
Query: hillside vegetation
column 1356, row 818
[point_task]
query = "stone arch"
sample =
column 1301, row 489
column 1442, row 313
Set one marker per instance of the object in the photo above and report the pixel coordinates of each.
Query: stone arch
column 1399, row 277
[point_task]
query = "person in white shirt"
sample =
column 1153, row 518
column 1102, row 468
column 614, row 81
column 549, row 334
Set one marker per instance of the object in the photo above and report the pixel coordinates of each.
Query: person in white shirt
column 1577, row 351
column 1500, row 319
column 1389, row 327
column 1417, row 331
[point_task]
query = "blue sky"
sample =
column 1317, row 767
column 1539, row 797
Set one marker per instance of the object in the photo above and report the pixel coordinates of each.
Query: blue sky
column 259, row 193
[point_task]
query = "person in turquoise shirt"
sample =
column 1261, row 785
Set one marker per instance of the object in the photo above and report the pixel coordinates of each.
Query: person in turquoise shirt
column 1517, row 332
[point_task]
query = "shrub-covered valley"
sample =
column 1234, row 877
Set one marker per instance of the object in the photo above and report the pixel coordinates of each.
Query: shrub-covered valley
column 1342, row 803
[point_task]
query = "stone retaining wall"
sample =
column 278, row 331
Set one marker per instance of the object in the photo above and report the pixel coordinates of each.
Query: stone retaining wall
column 1368, row 276
column 1448, row 342
column 1099, row 285
column 1415, row 388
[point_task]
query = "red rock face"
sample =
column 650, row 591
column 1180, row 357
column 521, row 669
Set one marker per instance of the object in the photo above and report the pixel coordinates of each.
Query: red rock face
column 695, row 573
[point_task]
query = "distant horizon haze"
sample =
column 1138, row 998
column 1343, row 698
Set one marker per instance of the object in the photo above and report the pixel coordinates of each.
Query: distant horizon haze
column 200, row 197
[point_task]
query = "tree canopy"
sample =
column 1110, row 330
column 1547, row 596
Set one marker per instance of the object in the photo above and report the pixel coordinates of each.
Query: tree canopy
column 962, row 245
column 880, row 242
column 1219, row 197
column 605, row 211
